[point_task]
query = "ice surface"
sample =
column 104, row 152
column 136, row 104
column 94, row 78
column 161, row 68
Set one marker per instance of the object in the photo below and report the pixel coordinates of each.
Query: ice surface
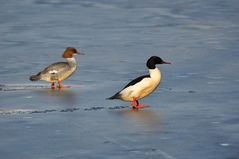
column 193, row 114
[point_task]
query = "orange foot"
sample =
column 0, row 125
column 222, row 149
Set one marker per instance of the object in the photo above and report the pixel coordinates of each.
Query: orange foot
column 63, row 86
column 136, row 105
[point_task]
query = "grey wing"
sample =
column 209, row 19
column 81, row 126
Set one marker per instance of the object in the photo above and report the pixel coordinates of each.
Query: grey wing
column 56, row 70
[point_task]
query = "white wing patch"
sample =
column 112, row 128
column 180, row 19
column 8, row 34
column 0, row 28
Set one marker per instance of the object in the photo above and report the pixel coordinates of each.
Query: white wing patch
column 53, row 71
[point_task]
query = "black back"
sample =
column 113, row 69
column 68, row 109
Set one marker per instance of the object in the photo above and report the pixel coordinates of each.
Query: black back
column 133, row 82
column 136, row 80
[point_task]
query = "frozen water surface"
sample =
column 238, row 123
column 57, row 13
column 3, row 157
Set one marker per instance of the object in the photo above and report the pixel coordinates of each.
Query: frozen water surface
column 193, row 114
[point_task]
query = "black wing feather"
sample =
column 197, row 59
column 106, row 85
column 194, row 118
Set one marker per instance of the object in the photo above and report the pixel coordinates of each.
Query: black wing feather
column 133, row 82
column 136, row 80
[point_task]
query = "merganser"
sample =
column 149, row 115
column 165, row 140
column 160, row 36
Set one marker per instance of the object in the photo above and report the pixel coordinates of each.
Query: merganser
column 143, row 85
column 59, row 71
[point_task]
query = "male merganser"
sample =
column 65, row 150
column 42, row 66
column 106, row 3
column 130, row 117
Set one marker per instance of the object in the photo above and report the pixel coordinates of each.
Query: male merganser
column 59, row 71
column 143, row 85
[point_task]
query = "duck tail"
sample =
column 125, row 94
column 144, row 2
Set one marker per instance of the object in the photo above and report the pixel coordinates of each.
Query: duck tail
column 116, row 96
column 35, row 77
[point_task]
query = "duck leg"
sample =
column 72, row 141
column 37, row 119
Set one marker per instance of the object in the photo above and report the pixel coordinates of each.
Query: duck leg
column 136, row 105
column 53, row 85
column 60, row 86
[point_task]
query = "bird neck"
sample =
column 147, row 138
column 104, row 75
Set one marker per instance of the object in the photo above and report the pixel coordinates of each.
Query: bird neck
column 71, row 61
column 155, row 74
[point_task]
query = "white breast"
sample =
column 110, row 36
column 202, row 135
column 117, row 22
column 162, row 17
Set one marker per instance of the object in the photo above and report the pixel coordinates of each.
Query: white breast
column 71, row 61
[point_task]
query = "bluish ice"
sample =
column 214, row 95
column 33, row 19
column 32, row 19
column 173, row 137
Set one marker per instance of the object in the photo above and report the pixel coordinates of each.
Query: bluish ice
column 194, row 114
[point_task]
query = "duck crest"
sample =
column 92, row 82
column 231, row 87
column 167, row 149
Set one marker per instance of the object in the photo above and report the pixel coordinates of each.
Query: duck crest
column 69, row 52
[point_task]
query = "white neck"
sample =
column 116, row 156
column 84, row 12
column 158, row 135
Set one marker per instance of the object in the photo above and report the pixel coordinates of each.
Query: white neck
column 71, row 61
column 155, row 74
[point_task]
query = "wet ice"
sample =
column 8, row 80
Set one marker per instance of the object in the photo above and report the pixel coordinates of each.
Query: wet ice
column 193, row 113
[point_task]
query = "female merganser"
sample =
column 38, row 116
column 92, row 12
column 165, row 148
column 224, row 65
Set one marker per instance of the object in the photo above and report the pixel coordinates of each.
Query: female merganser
column 59, row 71
column 143, row 85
